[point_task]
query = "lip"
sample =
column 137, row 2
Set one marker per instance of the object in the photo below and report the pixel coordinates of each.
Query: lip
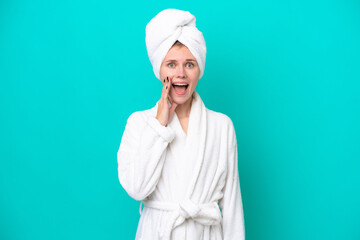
column 183, row 93
column 179, row 83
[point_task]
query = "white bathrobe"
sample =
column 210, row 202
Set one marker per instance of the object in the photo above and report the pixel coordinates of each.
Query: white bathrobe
column 189, row 183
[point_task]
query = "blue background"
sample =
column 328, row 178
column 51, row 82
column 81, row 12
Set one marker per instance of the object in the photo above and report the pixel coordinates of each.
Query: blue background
column 287, row 73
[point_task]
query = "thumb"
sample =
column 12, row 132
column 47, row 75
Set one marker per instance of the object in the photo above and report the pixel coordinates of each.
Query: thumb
column 173, row 106
column 172, row 109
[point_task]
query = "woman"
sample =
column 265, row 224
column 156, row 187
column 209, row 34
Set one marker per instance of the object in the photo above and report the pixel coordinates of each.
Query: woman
column 180, row 158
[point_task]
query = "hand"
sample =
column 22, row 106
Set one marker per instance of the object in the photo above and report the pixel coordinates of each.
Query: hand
column 165, row 112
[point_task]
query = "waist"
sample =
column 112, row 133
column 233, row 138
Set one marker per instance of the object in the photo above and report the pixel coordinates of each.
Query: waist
column 203, row 213
column 171, row 206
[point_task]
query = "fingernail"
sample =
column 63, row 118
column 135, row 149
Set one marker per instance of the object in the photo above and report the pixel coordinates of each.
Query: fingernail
column 166, row 87
column 167, row 78
column 164, row 80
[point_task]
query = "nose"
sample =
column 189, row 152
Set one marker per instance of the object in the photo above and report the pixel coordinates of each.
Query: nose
column 181, row 72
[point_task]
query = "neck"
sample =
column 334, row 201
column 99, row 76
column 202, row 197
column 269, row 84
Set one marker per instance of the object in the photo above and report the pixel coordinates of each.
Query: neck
column 183, row 110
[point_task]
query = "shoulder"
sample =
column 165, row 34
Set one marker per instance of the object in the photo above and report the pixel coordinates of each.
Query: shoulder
column 223, row 125
column 219, row 118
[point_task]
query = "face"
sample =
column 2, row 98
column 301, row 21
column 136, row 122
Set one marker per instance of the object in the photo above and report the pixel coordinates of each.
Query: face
column 180, row 65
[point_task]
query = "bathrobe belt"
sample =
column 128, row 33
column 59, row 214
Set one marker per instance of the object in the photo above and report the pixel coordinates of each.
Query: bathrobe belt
column 206, row 214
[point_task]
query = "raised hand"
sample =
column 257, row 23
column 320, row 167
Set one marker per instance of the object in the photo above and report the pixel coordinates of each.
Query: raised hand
column 165, row 112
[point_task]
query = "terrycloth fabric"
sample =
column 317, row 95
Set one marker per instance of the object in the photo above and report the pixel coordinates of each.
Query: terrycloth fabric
column 183, row 193
column 206, row 214
column 168, row 26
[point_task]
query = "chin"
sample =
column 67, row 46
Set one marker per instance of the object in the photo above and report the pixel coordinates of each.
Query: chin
column 180, row 100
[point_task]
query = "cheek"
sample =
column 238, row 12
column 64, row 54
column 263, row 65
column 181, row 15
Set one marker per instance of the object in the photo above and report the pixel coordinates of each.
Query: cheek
column 165, row 73
column 194, row 82
column 195, row 75
column 193, row 85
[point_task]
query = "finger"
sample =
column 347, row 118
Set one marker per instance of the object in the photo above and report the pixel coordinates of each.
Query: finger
column 168, row 82
column 163, row 89
column 173, row 104
column 170, row 102
column 169, row 79
column 170, row 98
column 167, row 87
column 172, row 109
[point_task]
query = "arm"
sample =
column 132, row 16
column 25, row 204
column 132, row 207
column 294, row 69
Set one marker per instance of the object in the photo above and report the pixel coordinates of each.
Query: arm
column 141, row 154
column 231, row 203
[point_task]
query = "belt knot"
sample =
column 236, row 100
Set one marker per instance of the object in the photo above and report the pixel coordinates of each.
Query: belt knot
column 206, row 214
column 189, row 209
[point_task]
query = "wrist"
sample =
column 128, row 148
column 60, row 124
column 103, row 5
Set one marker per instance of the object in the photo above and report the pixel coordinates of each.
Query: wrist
column 164, row 124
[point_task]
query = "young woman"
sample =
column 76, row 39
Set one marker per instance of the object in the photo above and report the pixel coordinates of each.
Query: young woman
column 180, row 158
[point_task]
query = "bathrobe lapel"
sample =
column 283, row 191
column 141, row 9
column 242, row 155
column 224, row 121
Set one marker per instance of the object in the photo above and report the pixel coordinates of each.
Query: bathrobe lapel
column 196, row 139
column 181, row 170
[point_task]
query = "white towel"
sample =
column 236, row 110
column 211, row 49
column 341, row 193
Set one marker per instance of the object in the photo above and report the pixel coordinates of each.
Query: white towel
column 165, row 29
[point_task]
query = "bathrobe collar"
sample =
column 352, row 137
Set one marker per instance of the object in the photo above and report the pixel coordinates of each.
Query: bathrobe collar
column 195, row 139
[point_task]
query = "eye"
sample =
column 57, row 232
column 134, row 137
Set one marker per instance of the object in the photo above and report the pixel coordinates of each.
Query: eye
column 191, row 64
column 170, row 64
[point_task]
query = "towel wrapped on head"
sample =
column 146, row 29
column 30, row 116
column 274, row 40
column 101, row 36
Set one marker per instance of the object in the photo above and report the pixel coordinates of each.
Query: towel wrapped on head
column 169, row 26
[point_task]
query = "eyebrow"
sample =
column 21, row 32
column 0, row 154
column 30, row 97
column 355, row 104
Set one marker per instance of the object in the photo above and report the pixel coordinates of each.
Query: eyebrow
column 173, row 60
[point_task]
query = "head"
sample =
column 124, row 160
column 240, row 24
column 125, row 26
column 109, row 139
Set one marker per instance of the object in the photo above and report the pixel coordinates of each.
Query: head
column 172, row 35
column 181, row 66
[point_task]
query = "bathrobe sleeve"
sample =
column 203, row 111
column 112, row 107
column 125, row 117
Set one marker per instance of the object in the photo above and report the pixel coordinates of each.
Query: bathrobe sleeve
column 231, row 203
column 141, row 154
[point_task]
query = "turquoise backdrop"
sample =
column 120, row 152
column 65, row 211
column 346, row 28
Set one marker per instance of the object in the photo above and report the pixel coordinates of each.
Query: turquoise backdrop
column 286, row 72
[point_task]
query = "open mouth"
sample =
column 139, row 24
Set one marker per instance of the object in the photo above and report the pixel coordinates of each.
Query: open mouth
column 180, row 88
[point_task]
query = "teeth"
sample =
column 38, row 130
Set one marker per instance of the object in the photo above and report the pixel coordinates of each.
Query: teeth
column 181, row 84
